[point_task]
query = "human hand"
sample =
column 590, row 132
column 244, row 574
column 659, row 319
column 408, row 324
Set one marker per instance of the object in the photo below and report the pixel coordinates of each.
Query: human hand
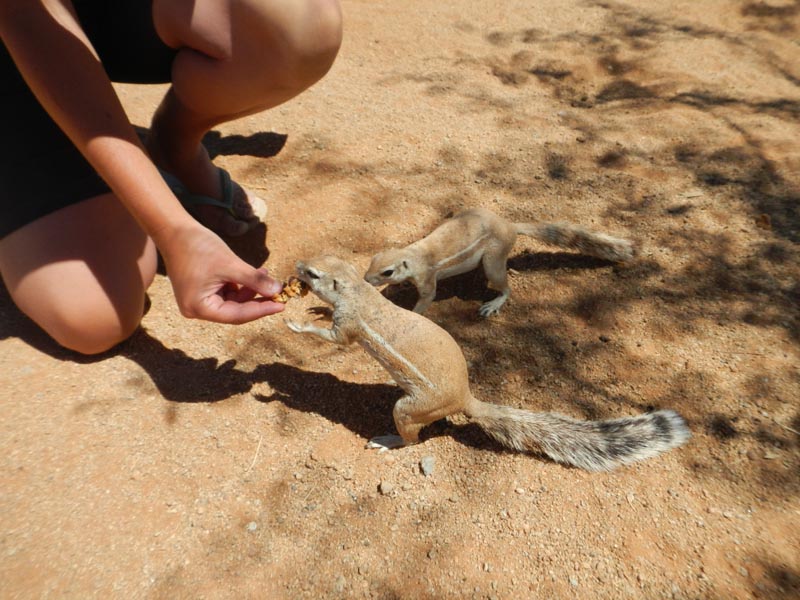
column 210, row 282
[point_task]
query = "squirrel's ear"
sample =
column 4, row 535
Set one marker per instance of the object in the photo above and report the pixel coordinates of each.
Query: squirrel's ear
column 335, row 285
column 405, row 264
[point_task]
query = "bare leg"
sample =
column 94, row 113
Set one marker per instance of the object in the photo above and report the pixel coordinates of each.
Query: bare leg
column 236, row 58
column 81, row 273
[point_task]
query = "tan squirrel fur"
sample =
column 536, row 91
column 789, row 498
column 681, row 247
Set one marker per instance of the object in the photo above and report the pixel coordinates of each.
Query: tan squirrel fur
column 479, row 236
column 427, row 363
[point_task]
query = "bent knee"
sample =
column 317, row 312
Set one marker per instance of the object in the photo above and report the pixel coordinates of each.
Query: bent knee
column 323, row 35
column 311, row 41
column 89, row 332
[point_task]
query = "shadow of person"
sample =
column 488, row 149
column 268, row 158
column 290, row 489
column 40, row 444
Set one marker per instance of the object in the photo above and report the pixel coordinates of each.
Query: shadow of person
column 364, row 408
column 182, row 378
column 177, row 376
column 263, row 144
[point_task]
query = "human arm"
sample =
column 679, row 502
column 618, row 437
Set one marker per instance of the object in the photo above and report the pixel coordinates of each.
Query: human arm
column 60, row 66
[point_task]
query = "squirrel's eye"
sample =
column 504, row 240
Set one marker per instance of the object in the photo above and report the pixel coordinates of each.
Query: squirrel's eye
column 313, row 275
column 388, row 272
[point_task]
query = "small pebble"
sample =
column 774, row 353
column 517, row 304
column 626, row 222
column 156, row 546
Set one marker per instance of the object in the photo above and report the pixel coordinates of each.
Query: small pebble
column 427, row 465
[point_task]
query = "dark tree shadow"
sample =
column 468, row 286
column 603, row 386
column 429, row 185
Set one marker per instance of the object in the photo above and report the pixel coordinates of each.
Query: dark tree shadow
column 469, row 287
column 473, row 286
column 553, row 261
column 780, row 582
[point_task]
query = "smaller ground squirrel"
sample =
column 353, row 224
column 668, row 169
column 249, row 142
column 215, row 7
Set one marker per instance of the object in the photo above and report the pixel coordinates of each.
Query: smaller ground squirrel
column 427, row 363
column 478, row 236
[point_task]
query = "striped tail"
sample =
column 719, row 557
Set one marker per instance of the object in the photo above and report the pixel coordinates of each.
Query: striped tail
column 591, row 243
column 590, row 445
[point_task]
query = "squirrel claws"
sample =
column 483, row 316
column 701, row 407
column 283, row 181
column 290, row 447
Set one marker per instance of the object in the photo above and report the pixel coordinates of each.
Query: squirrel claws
column 295, row 326
column 492, row 307
column 487, row 311
column 382, row 443
column 321, row 311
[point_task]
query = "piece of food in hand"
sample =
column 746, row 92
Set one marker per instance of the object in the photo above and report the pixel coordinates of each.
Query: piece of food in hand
column 292, row 288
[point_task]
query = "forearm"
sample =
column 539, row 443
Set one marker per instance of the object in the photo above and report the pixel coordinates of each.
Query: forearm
column 61, row 68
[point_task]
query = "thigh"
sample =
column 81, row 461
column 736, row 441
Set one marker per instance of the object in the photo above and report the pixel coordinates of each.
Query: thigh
column 81, row 272
column 242, row 56
column 124, row 35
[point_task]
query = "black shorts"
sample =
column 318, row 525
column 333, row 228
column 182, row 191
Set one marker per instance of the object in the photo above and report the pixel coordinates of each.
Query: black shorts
column 41, row 171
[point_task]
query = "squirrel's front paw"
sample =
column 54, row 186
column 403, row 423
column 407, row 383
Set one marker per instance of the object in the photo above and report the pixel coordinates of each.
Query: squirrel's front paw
column 295, row 326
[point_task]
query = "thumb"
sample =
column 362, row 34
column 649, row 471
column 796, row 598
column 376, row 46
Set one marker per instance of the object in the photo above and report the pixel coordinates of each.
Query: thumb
column 260, row 282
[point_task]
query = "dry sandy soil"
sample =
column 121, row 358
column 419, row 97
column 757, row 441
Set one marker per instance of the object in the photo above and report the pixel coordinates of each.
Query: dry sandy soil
column 207, row 461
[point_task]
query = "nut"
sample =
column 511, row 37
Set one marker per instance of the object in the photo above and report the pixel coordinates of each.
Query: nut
column 293, row 288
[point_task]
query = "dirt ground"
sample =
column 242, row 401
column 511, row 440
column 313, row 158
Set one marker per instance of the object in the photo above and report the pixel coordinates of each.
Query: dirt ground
column 207, row 461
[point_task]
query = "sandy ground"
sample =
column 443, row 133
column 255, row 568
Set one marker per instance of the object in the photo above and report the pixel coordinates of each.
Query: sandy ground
column 208, row 461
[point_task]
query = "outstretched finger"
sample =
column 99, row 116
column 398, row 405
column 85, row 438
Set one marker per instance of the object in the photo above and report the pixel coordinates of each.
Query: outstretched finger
column 220, row 310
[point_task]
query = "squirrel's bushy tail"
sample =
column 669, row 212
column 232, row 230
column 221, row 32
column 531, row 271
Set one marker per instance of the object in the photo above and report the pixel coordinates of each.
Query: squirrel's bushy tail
column 591, row 243
column 590, row 445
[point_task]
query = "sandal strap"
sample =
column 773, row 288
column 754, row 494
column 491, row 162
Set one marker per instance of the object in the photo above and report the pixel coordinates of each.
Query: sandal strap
column 189, row 199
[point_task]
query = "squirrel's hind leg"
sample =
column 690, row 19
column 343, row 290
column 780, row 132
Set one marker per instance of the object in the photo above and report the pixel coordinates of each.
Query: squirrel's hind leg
column 496, row 271
column 409, row 420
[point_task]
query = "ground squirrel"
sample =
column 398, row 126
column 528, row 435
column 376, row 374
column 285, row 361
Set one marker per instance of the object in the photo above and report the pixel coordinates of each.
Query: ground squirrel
column 427, row 363
column 477, row 236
